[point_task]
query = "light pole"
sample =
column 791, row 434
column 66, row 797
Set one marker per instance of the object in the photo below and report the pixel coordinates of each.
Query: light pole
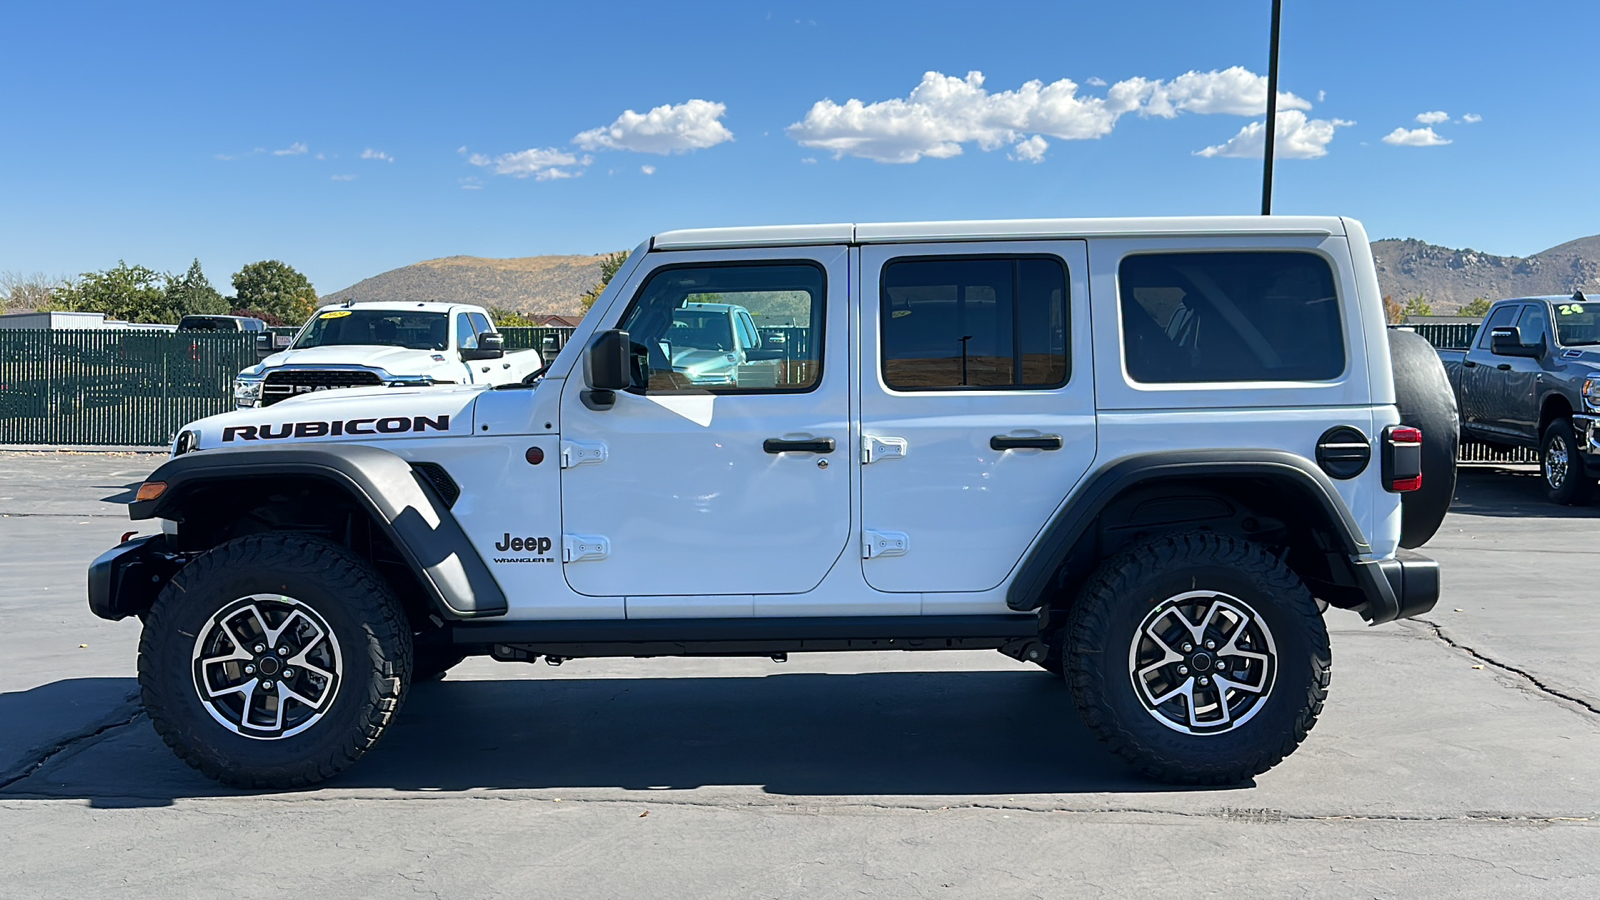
column 1272, row 109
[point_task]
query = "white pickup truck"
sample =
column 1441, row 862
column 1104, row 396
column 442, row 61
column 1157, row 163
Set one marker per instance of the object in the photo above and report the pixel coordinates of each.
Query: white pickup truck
column 393, row 344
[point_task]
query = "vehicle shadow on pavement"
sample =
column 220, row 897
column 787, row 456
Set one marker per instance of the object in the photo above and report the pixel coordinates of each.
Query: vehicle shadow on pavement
column 1511, row 493
column 934, row 734
column 129, row 491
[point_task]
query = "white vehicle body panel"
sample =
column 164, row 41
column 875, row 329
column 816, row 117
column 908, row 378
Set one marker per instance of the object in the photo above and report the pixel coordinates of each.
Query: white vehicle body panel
column 700, row 521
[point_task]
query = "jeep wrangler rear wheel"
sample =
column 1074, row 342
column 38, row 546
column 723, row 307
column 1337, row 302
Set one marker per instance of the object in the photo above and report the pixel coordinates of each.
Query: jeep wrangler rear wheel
column 1200, row 658
column 274, row 661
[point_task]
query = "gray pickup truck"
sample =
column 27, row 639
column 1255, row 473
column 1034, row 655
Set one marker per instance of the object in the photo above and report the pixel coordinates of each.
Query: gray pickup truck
column 1532, row 379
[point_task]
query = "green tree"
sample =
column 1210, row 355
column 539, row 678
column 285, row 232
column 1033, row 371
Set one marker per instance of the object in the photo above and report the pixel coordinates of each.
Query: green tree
column 608, row 267
column 1479, row 307
column 193, row 295
column 510, row 318
column 134, row 293
column 1418, row 306
column 275, row 287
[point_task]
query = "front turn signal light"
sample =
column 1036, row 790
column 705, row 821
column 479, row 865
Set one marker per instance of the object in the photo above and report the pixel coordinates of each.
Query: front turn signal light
column 150, row 490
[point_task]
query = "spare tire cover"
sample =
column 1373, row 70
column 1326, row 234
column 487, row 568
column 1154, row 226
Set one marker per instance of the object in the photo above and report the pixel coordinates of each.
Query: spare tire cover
column 1427, row 402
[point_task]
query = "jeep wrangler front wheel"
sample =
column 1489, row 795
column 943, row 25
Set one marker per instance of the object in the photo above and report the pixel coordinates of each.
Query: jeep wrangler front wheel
column 1200, row 658
column 274, row 661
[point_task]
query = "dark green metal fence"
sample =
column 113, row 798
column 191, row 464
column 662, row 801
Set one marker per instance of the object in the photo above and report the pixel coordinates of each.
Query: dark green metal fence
column 114, row 386
column 1446, row 335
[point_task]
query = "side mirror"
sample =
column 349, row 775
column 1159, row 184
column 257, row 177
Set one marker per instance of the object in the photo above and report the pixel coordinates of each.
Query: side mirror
column 549, row 347
column 264, row 346
column 491, row 345
column 1507, row 341
column 607, row 368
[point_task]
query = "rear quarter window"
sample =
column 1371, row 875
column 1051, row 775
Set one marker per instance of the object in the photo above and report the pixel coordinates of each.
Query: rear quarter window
column 1220, row 317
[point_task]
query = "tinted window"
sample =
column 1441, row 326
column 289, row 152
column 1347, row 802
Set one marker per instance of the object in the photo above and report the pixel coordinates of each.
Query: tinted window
column 1501, row 318
column 1198, row 317
column 1534, row 323
column 955, row 323
column 419, row 331
column 686, row 325
column 1578, row 323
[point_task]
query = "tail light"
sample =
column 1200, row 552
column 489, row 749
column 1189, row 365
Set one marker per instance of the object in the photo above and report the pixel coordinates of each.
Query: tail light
column 1402, row 458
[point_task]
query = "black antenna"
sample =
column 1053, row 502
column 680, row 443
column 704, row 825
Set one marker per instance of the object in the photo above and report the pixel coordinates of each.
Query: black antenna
column 1578, row 297
column 1272, row 109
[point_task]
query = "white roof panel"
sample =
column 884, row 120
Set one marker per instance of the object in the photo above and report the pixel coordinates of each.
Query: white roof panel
column 993, row 229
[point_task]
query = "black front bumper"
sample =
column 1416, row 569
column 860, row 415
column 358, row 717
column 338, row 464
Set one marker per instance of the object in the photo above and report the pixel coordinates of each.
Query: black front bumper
column 125, row 580
column 1406, row 585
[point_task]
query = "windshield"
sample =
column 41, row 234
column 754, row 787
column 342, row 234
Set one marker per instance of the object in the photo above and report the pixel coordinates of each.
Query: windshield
column 701, row 330
column 1578, row 323
column 385, row 328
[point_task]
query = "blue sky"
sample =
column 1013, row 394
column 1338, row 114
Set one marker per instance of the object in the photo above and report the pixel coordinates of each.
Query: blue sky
column 158, row 133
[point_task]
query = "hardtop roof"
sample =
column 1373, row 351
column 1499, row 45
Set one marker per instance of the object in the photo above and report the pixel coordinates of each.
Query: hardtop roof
column 993, row 229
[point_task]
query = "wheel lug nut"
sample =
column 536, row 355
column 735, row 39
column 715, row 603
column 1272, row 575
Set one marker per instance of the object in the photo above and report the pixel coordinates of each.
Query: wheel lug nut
column 1211, row 645
column 249, row 670
column 288, row 673
column 1183, row 670
column 1187, row 647
column 266, row 685
column 1204, row 680
column 260, row 647
column 283, row 651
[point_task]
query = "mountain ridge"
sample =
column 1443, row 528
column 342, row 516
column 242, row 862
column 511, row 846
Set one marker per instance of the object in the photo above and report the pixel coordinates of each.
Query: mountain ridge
column 1446, row 278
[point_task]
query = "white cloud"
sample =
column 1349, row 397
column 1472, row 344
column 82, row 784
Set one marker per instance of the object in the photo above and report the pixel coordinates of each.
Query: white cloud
column 370, row 153
column 1321, row 96
column 1433, row 118
column 1031, row 150
column 1414, row 137
column 809, row 160
column 540, row 164
column 294, row 149
column 1234, row 91
column 1095, row 82
column 1297, row 138
column 343, row 178
column 943, row 113
column 471, row 182
column 648, row 170
column 1471, row 118
column 666, row 129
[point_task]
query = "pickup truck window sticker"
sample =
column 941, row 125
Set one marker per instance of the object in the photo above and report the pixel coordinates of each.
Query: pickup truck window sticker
column 336, row 314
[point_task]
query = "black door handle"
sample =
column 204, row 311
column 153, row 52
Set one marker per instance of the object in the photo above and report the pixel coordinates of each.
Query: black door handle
column 1468, row 364
column 1010, row 442
column 805, row 445
column 1504, row 367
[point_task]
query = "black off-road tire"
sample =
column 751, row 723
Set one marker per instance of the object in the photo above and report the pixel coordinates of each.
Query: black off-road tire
column 350, row 597
column 1566, row 481
column 1426, row 401
column 1134, row 584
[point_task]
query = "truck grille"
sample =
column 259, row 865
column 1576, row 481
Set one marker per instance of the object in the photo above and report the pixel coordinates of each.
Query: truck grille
column 283, row 385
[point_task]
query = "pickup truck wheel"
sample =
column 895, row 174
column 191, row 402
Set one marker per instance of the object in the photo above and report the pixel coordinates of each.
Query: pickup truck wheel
column 1427, row 402
column 274, row 661
column 1566, row 479
column 1200, row 658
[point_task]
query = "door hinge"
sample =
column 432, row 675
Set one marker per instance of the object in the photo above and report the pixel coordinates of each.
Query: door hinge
column 577, row 453
column 876, row 544
column 875, row 448
column 579, row 547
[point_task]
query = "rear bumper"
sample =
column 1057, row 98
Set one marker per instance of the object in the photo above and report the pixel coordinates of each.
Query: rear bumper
column 1406, row 585
column 125, row 580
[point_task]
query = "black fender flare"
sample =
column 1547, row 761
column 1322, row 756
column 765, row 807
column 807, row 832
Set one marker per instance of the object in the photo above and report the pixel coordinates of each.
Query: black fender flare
column 418, row 522
column 1294, row 473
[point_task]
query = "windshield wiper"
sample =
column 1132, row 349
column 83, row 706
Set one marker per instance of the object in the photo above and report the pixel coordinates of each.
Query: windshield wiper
column 531, row 380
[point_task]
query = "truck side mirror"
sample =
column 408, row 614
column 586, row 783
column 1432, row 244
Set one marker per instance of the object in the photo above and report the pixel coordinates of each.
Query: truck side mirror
column 607, row 368
column 264, row 346
column 1507, row 341
column 491, row 345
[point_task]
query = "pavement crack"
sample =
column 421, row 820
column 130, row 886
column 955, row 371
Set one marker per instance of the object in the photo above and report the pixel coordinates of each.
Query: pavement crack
column 68, row 744
column 1524, row 674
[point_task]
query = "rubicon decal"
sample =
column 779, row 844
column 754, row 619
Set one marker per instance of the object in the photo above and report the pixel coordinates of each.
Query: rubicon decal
column 387, row 425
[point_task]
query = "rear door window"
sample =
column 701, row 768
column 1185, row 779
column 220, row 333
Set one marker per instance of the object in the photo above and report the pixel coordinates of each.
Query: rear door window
column 1221, row 317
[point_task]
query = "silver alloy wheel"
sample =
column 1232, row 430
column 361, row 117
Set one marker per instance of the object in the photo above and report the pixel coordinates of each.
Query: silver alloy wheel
column 1203, row 662
column 267, row 666
column 1556, row 461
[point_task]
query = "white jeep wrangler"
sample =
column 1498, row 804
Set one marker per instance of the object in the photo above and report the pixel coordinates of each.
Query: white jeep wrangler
column 1145, row 453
